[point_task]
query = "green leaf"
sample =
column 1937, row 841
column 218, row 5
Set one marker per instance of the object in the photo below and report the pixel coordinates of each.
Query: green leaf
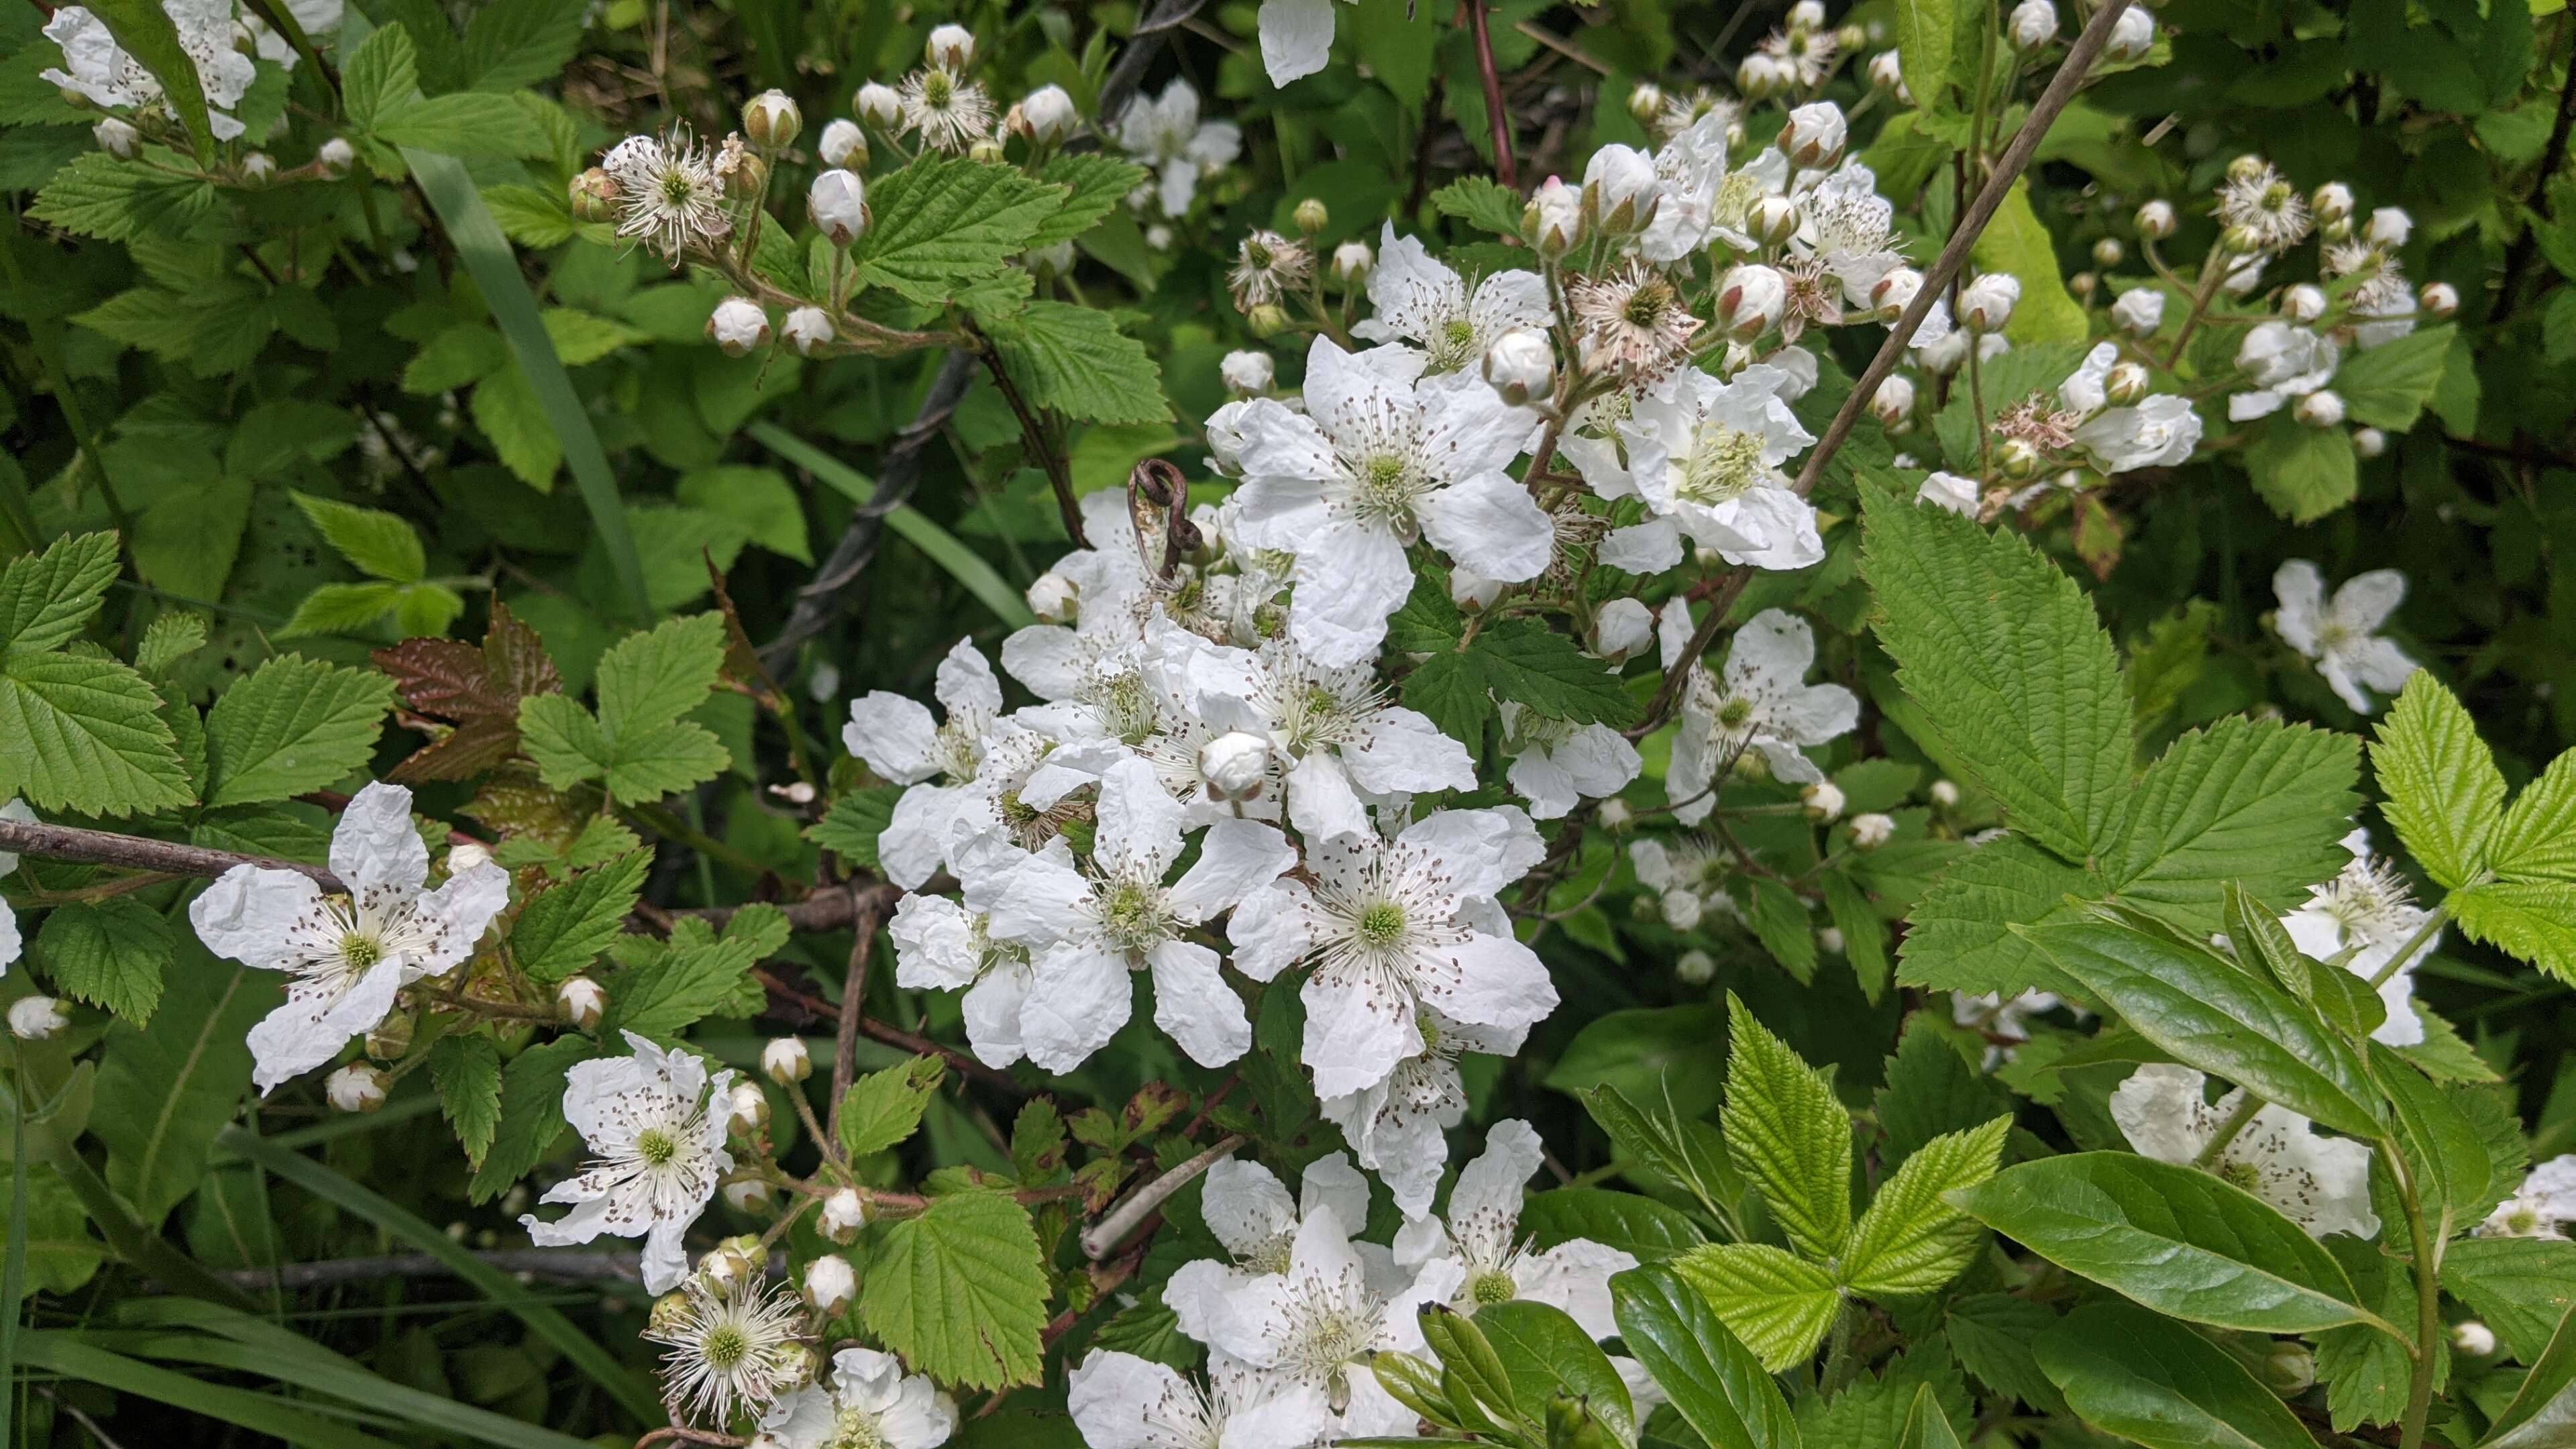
column 293, row 725
column 1714, row 1382
column 1960, row 935
column 883, row 1108
column 760, row 500
column 380, row 76
column 1094, row 185
column 1635, row 1225
column 2533, row 920
column 1690, row 1154
column 61, row 1253
column 1649, row 1053
column 664, row 760
column 2445, row 795
column 1541, row 670
column 1865, row 933
column 2156, row 1383
column 2542, row 1413
column 2015, row 241
column 1776, row 1305
column 2257, row 802
column 461, row 356
column 1930, row 1090
column 514, row 43
column 467, row 1070
column 1994, row 1334
column 960, row 1291
column 2001, row 650
column 2388, row 385
column 2212, row 1014
column 47, row 598
column 69, row 1354
column 2442, row 1148
column 381, row 544
column 1924, row 47
column 1546, row 1353
column 560, row 931
column 961, row 563
column 109, row 953
column 562, row 739
column 169, row 639
column 1779, row 921
column 1789, row 1135
column 2305, row 473
column 653, row 678
column 2537, row 840
column 685, row 986
column 85, row 735
column 1482, row 203
column 2521, row 1287
column 1912, row 1241
column 532, row 1089
column 100, row 196
column 465, row 124
column 1074, row 360
column 342, row 609
column 177, row 1081
column 2176, row 1239
column 945, row 221
column 850, row 828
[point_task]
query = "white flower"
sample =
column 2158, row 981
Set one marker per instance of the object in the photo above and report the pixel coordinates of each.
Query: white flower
column 668, row 193
column 1165, row 133
column 1396, row 1128
column 837, row 202
column 1962, row 496
column 898, row 739
column 1986, row 304
column 1382, row 455
column 1759, row 701
column 656, row 1136
column 731, row 1348
column 1050, row 114
column 2283, row 362
column 872, row 1404
column 1248, row 1209
column 1120, row 1401
column 11, row 942
column 1246, row 372
column 2140, row 311
column 1088, row 930
column 1621, row 628
column 1352, row 260
column 1296, row 37
column 2132, row 35
column 842, row 144
column 105, row 75
column 1342, row 744
column 1848, row 227
column 2158, row 433
column 951, row 112
column 2546, row 1199
column 1316, row 1324
column 1478, row 1257
column 1394, row 926
column 1557, row 764
column 2363, row 918
column 1521, row 366
column 2341, row 635
column 349, row 956
column 2320, row 1183
column 42, row 1018
column 1706, row 461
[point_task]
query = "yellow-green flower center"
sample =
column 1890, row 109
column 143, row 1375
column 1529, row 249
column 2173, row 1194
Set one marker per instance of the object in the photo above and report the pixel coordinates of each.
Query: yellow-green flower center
column 1382, row 924
column 656, row 1147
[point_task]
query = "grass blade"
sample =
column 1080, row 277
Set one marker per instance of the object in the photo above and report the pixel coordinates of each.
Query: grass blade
column 621, row 1382
column 13, row 1277
column 962, row 563
column 62, row 1352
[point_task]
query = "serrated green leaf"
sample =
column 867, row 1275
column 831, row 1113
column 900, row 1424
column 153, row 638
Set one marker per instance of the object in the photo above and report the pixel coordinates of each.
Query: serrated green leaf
column 2445, row 795
column 343, row 609
column 562, row 739
column 1776, row 1305
column 458, row 357
column 1912, row 1241
column 685, row 986
column 1788, row 1135
column 1541, row 670
column 883, row 1108
column 2016, row 242
column 109, row 953
column 663, row 760
column 84, row 734
column 532, row 1089
column 945, row 221
column 1714, row 1382
column 2158, row 1384
column 100, row 196
column 2387, row 386
column 2305, row 473
column 1638, row 1226
column 1074, row 360
column 1094, row 185
column 467, row 1071
column 382, row 545
column 515, row 43
column 380, row 76
column 169, row 639
column 959, row 1291
column 2537, row 840
column 1690, row 1154
column 178, row 1080
column 562, row 930
column 850, row 828
column 1482, row 203
column 2257, row 802
column 47, row 598
column 2532, row 920
column 655, row 677
column 292, row 725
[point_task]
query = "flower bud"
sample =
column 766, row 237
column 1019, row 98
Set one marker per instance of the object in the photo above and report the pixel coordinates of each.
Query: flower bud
column 1869, row 832
column 1521, row 366
column 1824, row 800
column 389, row 1039
column 1645, row 102
column 1680, row 908
column 669, row 1311
column 952, row 47
column 2126, row 384
column 2331, row 202
column 1895, row 292
column 39, row 1018
column 1620, row 190
column 837, row 203
column 356, row 1087
column 1158, row 237
column 1695, row 967
column 2032, row 24
column 1951, row 493
column 1312, row 215
column 1814, row 137
column 1246, row 373
column 2239, row 241
column 843, row 145
column 2473, row 1338
column 986, row 152
column 1235, row 765
column 1806, row 16
column 2369, row 442
column 594, row 196
column 830, row 1284
column 1614, row 813
column 1773, row 220
column 1750, row 298
column 1552, row 223
column 2439, row 298
column 1621, row 628
column 751, row 1196
column 1986, row 304
column 794, row 792
column 1352, row 262
column 2084, row 285
column 1945, row 794
column 746, row 1110
column 1893, row 403
column 2140, row 311
column 844, row 1213
column 1053, row 598
column 1887, row 72
column 2132, row 36
column 726, row 1267
column 2156, row 220
column 258, row 169
column 2320, row 409
column 738, row 325
column 1266, row 320
column 2389, row 228
column 1048, row 115
column 2305, row 302
column 118, row 138
column 2247, row 167
column 877, row 104
column 786, row 1061
column 2290, row 1369
column 771, row 121
column 2017, row 457
column 581, row 1001
column 2108, row 252
column 335, row 158
column 807, row 331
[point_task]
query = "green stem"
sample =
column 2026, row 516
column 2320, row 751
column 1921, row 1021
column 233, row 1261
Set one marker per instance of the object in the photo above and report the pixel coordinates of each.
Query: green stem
column 2229, row 1130
column 2428, row 1302
column 2423, row 933
column 2213, row 270
column 672, row 828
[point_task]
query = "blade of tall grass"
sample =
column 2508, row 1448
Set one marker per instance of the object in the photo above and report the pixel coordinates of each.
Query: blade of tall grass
column 962, row 563
column 62, row 1352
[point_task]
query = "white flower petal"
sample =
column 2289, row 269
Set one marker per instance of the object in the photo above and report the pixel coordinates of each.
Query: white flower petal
column 1194, row 1006
column 896, row 736
column 1490, row 524
column 374, row 848
column 1079, row 1000
column 1296, row 38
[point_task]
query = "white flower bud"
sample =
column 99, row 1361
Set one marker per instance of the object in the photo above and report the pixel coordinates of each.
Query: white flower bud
column 2320, row 409
column 1758, row 77
column 771, row 121
column 1520, row 366
column 390, row 1039
column 1773, row 220
column 751, row 1196
column 1053, row 598
column 786, row 1061
column 747, row 1110
column 1831, row 939
column 1951, row 492
column 1893, row 403
column 1887, row 72
column 952, row 47
column 738, row 325
column 1614, row 814
column 581, row 1001
column 830, row 1284
column 335, row 158
column 1620, row 190
column 41, row 1018
column 1814, row 137
column 2017, row 458
column 1824, row 800
column 1986, row 304
column 2132, row 36
column 2389, row 228
column 357, row 1087
column 2085, row 284
column 1621, row 628
column 1552, row 223
column 878, row 105
column 468, row 856
column 2108, row 252
column 2156, row 220
column 1158, row 237
column 2032, row 24
column 2473, row 1338
column 2290, row 1369
column 1681, row 909
column 1895, row 292
column 794, row 792
column 1645, row 102
column 726, row 1267
column 1352, row 261
column 1869, row 832
column 1049, row 114
column 2140, row 311
column 1247, row 372
column 2369, row 442
column 1312, row 215
column 843, row 144
column 1945, row 794
column 118, row 138
column 2126, row 384
column 1750, row 298
column 1695, row 967
column 1806, row 16
column 258, row 169
column 1235, row 765
column 2439, row 298
column 2331, row 202
column 2305, row 302
column 808, row 330
column 844, row 1213
column 838, row 204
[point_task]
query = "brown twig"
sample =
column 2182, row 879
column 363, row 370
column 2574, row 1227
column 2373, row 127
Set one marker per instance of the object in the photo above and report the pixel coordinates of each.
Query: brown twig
column 1669, row 693
column 815, row 1008
column 1106, row 1235
column 865, row 908
column 135, row 852
column 1033, row 433
column 1496, row 118
column 1954, row 255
